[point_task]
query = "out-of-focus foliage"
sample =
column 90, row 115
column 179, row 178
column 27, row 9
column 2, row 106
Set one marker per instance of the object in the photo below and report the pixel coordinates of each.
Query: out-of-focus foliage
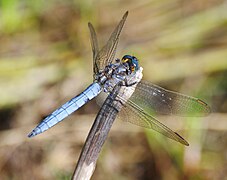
column 45, row 59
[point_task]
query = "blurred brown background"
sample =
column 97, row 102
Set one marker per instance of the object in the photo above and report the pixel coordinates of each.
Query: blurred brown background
column 46, row 59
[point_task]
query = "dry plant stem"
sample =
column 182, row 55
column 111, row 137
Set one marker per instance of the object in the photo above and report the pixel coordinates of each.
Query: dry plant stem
column 96, row 138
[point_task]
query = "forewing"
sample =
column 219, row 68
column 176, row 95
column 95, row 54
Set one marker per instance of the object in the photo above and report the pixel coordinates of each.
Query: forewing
column 136, row 115
column 155, row 99
column 94, row 45
column 107, row 53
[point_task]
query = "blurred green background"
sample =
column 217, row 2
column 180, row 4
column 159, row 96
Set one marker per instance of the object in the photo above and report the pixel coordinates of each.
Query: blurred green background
column 46, row 59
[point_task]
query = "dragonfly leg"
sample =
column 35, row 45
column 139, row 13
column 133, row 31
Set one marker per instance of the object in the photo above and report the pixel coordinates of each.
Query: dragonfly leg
column 128, row 84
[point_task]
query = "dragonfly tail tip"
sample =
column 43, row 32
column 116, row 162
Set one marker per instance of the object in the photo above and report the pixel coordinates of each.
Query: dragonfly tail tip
column 31, row 134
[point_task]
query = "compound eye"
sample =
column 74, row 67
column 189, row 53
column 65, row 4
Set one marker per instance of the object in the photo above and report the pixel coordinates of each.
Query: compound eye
column 124, row 60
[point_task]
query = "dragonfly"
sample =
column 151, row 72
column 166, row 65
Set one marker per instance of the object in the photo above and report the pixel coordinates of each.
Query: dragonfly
column 140, row 100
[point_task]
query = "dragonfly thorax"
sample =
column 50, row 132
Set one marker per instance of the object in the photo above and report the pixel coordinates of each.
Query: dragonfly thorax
column 111, row 70
column 113, row 74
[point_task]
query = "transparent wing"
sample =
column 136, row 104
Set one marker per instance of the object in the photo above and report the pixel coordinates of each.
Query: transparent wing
column 94, row 45
column 134, row 114
column 106, row 54
column 154, row 99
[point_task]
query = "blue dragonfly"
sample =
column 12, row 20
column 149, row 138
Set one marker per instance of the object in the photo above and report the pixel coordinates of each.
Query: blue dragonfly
column 137, row 101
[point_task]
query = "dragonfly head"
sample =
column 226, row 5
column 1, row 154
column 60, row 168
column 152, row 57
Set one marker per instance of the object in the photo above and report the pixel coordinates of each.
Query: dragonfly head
column 132, row 62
